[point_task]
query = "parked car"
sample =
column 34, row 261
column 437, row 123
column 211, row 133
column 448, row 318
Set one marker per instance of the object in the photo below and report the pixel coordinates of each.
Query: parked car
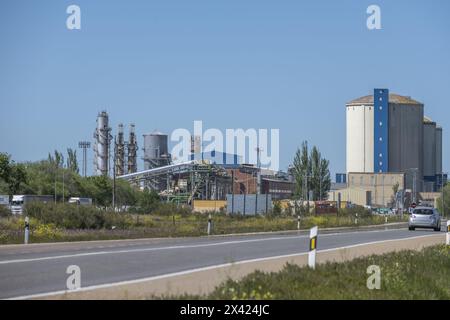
column 424, row 217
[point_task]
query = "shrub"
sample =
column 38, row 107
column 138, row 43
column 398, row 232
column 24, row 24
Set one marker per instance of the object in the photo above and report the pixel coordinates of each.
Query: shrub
column 4, row 211
column 77, row 217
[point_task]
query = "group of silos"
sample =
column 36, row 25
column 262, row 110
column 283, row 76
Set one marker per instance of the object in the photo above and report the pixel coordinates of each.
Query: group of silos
column 156, row 147
column 122, row 148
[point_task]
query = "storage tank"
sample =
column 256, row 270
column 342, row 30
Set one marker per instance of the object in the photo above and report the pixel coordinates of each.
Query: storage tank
column 385, row 136
column 156, row 152
column 102, row 136
column 405, row 134
column 360, row 135
column 438, row 150
column 429, row 149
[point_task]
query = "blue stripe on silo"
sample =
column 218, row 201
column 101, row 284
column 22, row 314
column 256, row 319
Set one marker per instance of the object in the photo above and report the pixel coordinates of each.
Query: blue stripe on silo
column 381, row 130
column 235, row 159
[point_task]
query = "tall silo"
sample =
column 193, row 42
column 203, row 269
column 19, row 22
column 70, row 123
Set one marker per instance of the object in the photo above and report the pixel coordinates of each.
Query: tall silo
column 156, row 152
column 360, row 134
column 438, row 150
column 132, row 150
column 429, row 149
column 102, row 136
column 406, row 135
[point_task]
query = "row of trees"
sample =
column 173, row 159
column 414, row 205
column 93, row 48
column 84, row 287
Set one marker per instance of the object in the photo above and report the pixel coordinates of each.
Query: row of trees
column 53, row 177
column 12, row 175
column 311, row 173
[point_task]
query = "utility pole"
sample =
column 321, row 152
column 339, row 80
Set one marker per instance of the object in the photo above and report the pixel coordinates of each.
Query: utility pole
column 63, row 185
column 442, row 195
column 114, row 178
column 84, row 145
column 414, row 184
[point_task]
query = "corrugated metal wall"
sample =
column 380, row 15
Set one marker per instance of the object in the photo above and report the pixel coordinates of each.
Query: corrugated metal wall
column 249, row 204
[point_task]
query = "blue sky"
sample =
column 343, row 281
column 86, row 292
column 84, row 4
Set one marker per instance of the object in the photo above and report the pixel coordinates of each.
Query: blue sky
column 290, row 65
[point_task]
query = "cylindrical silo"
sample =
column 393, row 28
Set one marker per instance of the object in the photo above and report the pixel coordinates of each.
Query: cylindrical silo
column 102, row 137
column 360, row 135
column 429, row 149
column 156, row 152
column 438, row 150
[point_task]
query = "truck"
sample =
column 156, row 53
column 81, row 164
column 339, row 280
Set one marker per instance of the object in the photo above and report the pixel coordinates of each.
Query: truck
column 19, row 201
column 81, row 201
column 4, row 200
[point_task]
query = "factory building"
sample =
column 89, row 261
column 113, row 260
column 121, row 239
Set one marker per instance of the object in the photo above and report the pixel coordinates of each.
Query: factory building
column 388, row 133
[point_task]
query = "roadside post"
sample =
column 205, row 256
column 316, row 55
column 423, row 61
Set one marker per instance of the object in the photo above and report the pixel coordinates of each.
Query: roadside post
column 448, row 232
column 356, row 219
column 312, row 247
column 27, row 229
column 298, row 222
column 209, row 224
column 385, row 218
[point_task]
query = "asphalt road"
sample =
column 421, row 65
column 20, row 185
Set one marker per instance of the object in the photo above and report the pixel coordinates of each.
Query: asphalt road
column 34, row 269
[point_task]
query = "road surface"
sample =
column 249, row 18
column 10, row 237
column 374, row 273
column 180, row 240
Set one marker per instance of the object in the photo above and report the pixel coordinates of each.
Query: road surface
column 36, row 269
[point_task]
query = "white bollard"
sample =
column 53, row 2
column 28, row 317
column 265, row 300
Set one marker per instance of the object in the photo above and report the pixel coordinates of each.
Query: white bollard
column 356, row 219
column 27, row 230
column 298, row 222
column 385, row 219
column 312, row 247
column 209, row 224
column 448, row 232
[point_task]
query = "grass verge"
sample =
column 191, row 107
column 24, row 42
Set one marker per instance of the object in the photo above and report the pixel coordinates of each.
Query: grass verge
column 155, row 226
column 405, row 275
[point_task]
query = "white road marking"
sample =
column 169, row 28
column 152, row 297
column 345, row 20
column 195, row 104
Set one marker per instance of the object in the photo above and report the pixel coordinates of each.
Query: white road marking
column 67, row 256
column 128, row 282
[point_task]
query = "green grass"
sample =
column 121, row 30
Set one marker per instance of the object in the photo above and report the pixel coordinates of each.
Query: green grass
column 153, row 226
column 404, row 275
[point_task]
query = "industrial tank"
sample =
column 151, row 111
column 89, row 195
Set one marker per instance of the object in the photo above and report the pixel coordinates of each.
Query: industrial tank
column 429, row 149
column 102, row 136
column 156, row 152
column 360, row 141
column 438, row 150
column 405, row 134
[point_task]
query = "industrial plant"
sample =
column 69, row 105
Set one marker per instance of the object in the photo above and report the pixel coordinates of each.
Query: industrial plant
column 393, row 158
column 206, row 182
column 393, row 151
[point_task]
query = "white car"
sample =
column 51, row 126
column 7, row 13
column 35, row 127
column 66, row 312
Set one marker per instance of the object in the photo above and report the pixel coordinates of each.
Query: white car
column 424, row 217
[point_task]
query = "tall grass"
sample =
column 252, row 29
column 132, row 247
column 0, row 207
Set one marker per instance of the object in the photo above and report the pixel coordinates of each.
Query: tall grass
column 404, row 275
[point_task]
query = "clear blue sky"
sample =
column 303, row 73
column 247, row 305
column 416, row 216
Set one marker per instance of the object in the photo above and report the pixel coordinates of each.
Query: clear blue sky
column 162, row 64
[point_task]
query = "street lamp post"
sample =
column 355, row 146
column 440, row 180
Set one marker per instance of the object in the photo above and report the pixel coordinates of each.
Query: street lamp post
column 84, row 145
column 442, row 194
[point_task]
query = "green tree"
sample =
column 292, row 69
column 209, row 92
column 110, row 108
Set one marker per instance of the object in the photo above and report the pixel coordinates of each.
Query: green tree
column 12, row 175
column 72, row 162
column 446, row 211
column 302, row 171
column 17, row 178
column 311, row 173
column 148, row 201
column 57, row 160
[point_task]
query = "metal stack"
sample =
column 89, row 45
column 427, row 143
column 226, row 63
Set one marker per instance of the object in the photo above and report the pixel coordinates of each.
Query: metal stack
column 103, row 137
column 132, row 150
column 120, row 152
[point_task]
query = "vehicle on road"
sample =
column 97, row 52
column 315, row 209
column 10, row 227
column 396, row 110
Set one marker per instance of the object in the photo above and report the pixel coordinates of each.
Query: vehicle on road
column 4, row 200
column 424, row 217
column 81, row 201
column 19, row 201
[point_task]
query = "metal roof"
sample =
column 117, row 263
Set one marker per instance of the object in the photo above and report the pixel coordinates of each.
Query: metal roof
column 393, row 98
